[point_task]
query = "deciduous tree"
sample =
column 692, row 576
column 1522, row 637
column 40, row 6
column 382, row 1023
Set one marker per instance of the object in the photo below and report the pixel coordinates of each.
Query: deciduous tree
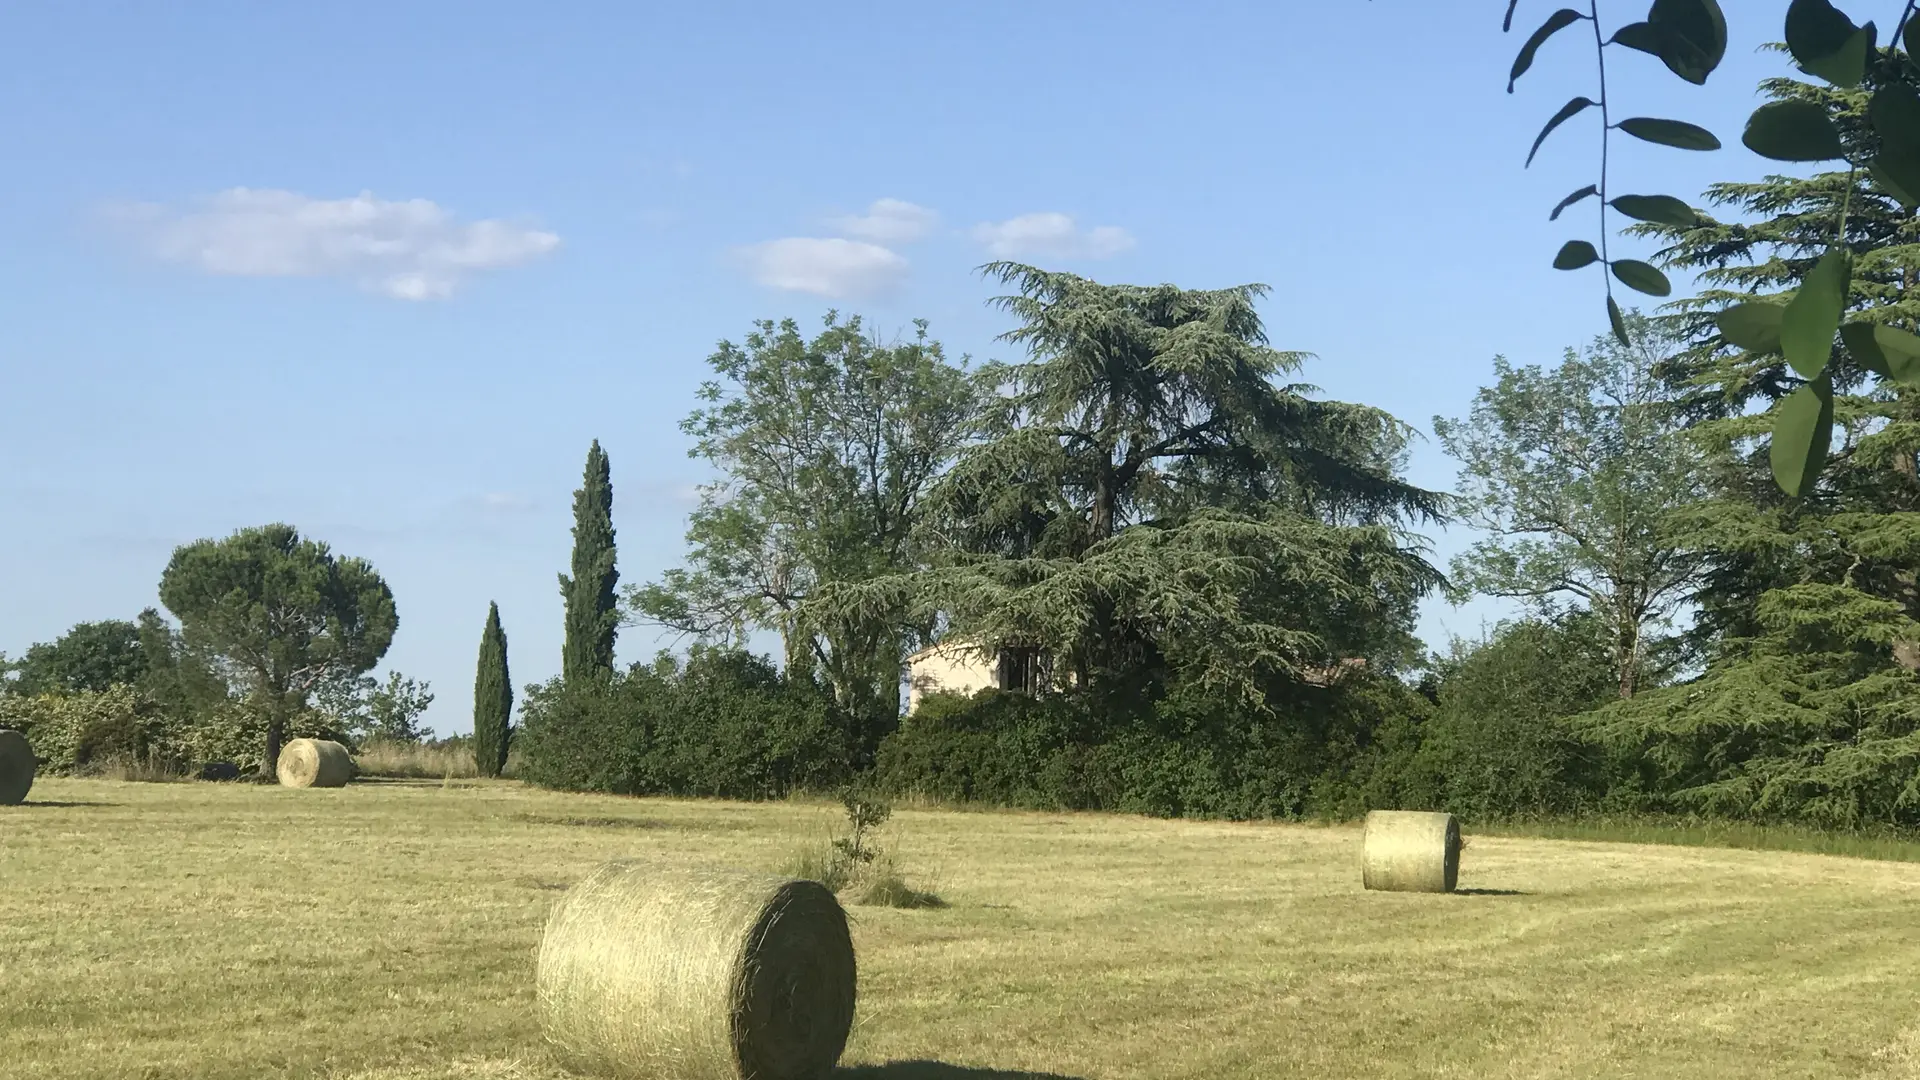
column 1145, row 497
column 1581, row 475
column 826, row 448
column 93, row 656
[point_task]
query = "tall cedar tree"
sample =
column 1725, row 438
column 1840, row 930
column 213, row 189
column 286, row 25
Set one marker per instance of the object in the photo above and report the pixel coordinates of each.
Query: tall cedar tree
column 492, row 698
column 1147, row 501
column 1860, row 525
column 592, row 615
column 1809, row 708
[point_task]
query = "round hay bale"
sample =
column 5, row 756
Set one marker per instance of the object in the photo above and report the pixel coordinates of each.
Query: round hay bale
column 314, row 763
column 17, row 765
column 1410, row 851
column 697, row 975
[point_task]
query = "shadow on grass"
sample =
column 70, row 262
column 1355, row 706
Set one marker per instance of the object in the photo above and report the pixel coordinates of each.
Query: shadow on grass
column 1490, row 892
column 59, row 805
column 935, row 1070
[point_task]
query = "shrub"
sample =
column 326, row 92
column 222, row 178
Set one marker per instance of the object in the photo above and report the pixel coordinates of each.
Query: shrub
column 723, row 724
column 91, row 730
column 1502, row 742
column 1190, row 753
column 88, row 729
column 995, row 747
column 857, row 861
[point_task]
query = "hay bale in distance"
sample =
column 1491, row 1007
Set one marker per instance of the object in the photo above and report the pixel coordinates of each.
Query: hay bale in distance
column 314, row 763
column 1410, row 851
column 696, row 975
column 17, row 765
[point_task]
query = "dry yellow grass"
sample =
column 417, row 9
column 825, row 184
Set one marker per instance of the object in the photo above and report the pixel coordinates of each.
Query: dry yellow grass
column 422, row 761
column 199, row 930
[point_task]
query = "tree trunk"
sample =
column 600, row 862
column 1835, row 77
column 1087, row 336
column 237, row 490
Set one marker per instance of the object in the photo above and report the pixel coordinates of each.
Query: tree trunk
column 799, row 648
column 276, row 737
column 1627, row 656
column 1101, row 527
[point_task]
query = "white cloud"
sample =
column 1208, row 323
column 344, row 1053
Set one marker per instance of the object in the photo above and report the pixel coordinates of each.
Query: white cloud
column 837, row 269
column 409, row 250
column 888, row 221
column 1052, row 235
column 505, row 501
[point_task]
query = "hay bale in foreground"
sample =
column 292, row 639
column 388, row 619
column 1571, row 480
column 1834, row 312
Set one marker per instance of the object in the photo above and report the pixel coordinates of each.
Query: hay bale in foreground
column 314, row 763
column 697, row 975
column 1410, row 851
column 17, row 765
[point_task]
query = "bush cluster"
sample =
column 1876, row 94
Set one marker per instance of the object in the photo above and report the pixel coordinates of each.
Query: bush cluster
column 722, row 723
column 90, row 730
column 1314, row 752
column 1488, row 736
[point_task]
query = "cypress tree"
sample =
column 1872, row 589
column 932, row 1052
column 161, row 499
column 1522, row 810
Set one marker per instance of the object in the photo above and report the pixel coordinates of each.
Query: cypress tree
column 492, row 699
column 591, row 618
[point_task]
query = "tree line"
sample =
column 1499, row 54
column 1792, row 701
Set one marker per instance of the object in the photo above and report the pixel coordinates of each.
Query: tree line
column 1715, row 619
column 1224, row 567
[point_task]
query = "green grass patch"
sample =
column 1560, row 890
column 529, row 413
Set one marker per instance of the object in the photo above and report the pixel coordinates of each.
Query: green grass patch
column 1886, row 844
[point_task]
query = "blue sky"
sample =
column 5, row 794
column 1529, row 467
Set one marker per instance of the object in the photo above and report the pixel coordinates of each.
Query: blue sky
column 383, row 271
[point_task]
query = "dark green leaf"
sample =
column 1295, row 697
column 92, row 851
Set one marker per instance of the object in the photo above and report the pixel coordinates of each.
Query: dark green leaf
column 1894, row 114
column 1659, row 209
column 1567, row 112
column 1642, row 277
column 1689, row 36
column 1619, row 324
column 1816, row 30
column 1575, row 254
column 1884, row 350
column 1584, row 193
column 1507, row 23
column 1674, row 133
column 1812, row 316
column 1701, row 27
column 1802, row 432
column 1555, row 23
column 1846, row 67
column 1912, row 38
column 1754, row 327
column 1898, row 176
column 1643, row 36
column 1793, row 131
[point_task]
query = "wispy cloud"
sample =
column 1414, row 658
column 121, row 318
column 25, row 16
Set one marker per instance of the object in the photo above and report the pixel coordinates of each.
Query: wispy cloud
column 505, row 502
column 1051, row 235
column 888, row 221
column 833, row 268
column 856, row 264
column 410, row 250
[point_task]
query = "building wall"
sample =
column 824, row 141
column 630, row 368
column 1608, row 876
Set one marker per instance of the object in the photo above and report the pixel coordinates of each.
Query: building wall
column 957, row 668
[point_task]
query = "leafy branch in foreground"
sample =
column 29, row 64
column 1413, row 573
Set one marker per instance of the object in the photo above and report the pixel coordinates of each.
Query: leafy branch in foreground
column 1689, row 36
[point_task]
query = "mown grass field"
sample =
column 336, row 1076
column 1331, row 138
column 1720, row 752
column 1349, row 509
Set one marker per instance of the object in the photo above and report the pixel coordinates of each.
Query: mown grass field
column 386, row 931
